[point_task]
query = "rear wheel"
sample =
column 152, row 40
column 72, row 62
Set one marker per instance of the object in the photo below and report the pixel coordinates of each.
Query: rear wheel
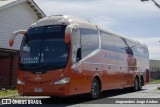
column 136, row 85
column 140, row 84
column 95, row 89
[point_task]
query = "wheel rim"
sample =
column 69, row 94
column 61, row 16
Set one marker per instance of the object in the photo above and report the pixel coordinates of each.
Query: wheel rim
column 95, row 89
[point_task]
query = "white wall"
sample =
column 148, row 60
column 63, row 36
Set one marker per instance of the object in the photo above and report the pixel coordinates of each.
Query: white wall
column 18, row 17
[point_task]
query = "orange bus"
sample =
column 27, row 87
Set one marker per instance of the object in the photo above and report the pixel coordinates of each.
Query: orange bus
column 64, row 55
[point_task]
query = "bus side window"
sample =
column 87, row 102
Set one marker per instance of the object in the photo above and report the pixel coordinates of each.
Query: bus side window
column 78, row 55
column 128, row 47
column 89, row 41
column 107, row 41
column 146, row 53
column 120, row 45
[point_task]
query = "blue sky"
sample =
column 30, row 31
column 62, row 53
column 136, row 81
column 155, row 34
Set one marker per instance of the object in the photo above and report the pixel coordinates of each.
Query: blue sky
column 132, row 18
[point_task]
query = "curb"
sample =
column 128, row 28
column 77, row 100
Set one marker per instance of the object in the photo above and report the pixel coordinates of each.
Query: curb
column 14, row 95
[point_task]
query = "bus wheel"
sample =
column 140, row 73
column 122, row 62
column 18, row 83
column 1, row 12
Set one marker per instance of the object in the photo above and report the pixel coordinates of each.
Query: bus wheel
column 140, row 84
column 136, row 85
column 95, row 89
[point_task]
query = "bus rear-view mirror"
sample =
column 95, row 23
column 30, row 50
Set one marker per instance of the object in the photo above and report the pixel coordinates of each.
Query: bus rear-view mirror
column 13, row 35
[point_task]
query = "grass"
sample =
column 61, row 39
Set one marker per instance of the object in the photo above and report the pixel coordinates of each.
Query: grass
column 154, row 81
column 8, row 92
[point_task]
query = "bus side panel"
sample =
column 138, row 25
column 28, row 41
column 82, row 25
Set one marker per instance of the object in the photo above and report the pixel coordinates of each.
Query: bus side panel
column 110, row 77
column 77, row 80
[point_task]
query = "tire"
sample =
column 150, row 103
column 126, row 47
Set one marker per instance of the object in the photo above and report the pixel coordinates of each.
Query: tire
column 95, row 89
column 140, row 84
column 136, row 85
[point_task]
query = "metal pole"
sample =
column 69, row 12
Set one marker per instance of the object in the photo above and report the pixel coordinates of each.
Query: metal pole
column 156, row 4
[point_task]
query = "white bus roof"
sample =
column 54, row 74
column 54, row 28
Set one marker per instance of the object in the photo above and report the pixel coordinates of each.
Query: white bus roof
column 59, row 20
column 67, row 20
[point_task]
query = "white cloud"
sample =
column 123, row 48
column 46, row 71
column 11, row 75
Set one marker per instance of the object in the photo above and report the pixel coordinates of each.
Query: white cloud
column 129, row 17
column 154, row 41
column 96, row 7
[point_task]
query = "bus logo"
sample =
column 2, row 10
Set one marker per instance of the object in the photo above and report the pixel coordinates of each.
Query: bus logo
column 38, row 77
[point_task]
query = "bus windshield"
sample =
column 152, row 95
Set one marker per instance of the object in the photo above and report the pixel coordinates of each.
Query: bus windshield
column 44, row 48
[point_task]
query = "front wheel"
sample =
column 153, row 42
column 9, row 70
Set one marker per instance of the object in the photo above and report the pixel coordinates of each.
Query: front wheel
column 95, row 89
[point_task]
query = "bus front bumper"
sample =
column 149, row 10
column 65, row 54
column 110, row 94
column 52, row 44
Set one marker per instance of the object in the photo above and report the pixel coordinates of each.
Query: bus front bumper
column 43, row 90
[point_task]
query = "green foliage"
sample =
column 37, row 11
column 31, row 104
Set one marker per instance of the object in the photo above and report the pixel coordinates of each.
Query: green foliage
column 154, row 81
column 7, row 92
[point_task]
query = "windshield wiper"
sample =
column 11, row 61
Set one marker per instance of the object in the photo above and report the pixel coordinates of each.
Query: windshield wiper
column 41, row 68
column 49, row 66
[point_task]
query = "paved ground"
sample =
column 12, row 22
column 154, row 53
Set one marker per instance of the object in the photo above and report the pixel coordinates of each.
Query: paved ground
column 149, row 91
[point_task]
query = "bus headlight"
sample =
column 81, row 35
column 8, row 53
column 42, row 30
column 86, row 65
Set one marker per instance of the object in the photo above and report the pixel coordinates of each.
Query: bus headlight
column 63, row 81
column 19, row 82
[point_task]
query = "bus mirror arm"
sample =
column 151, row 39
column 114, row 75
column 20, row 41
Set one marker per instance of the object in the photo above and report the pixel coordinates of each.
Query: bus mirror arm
column 14, row 34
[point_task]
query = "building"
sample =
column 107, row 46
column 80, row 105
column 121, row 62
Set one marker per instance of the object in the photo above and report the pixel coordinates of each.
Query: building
column 155, row 69
column 154, row 65
column 14, row 15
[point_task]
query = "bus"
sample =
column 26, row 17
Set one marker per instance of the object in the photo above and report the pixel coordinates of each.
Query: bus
column 64, row 55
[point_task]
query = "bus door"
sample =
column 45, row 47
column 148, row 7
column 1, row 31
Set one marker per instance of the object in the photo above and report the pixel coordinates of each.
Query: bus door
column 77, row 75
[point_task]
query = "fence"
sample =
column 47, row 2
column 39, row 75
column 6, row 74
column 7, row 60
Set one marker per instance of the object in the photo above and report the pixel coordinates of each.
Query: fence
column 155, row 75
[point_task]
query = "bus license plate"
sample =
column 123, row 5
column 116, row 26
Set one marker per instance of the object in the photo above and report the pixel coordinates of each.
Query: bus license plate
column 38, row 90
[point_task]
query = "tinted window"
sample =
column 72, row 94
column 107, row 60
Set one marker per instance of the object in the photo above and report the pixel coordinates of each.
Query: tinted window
column 138, row 50
column 107, row 41
column 36, row 33
column 55, row 29
column 146, row 52
column 89, row 41
column 45, row 49
column 129, row 46
column 54, row 50
column 76, row 53
column 142, row 51
column 120, row 45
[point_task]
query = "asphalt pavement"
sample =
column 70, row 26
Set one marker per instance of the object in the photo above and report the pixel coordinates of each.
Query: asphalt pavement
column 108, row 98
